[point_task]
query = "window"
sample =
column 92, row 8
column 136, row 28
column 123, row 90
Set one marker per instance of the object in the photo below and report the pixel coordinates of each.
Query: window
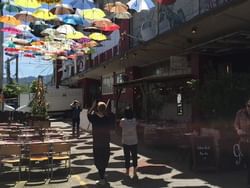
column 107, row 84
column 120, row 79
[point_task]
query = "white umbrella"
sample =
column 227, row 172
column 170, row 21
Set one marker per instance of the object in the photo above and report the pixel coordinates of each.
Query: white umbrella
column 65, row 29
column 139, row 5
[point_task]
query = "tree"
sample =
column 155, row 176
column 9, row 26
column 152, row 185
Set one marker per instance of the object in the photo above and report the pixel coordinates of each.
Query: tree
column 12, row 90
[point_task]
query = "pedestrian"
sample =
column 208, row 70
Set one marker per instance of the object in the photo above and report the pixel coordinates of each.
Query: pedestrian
column 101, row 126
column 76, row 110
column 129, row 139
column 242, row 127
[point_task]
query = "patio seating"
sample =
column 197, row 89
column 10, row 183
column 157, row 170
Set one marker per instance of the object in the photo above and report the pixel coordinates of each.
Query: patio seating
column 61, row 152
column 39, row 157
column 11, row 155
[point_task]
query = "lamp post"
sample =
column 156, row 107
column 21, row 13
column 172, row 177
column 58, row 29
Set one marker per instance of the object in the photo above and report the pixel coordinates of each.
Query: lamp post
column 1, row 66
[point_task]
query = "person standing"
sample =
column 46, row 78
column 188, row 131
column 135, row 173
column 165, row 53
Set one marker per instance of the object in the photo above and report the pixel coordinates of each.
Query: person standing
column 76, row 110
column 101, row 126
column 129, row 139
column 242, row 127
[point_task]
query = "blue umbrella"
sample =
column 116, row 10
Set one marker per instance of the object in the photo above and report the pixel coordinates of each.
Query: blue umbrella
column 74, row 19
column 83, row 4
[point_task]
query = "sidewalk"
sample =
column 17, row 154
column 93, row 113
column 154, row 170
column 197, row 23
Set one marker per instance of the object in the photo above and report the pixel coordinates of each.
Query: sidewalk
column 157, row 168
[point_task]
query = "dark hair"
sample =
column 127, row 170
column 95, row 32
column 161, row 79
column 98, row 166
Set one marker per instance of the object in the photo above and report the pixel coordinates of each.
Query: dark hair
column 128, row 113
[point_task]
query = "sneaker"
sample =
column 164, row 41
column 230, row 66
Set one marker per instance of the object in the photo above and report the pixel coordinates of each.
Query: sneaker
column 101, row 182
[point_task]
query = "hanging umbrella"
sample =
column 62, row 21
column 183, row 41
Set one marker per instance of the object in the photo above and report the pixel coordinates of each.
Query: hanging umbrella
column 49, row 1
column 112, row 27
column 139, row 5
column 11, row 7
column 9, row 20
column 123, row 15
column 11, row 30
column 74, row 19
column 44, row 14
column 84, row 40
column 83, row 4
column 102, row 22
column 27, row 3
column 23, row 27
column 97, row 36
column 30, row 55
column 65, row 29
column 116, row 7
column 166, row 2
column 37, row 27
column 25, row 16
column 20, row 41
column 37, row 43
column 91, row 29
column 60, row 9
column 105, row 25
column 48, row 31
column 90, row 44
column 93, row 14
column 75, row 35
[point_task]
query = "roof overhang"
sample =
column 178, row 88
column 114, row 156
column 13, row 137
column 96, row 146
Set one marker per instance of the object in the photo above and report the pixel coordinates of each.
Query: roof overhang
column 223, row 21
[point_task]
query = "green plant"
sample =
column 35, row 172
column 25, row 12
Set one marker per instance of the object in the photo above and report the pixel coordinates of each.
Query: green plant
column 12, row 90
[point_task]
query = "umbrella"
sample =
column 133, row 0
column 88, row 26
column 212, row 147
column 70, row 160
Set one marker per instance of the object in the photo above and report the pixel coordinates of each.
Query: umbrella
column 116, row 7
column 139, row 5
column 65, row 29
column 83, row 4
column 20, row 41
column 166, row 2
column 90, row 44
column 93, row 14
column 60, row 9
column 84, row 40
column 44, row 14
column 23, row 27
column 9, row 20
column 11, row 30
column 74, row 19
column 27, row 3
column 11, row 7
column 102, row 22
column 37, row 27
column 25, row 16
column 49, row 1
column 90, row 29
column 37, row 43
column 75, row 35
column 112, row 27
column 105, row 25
column 123, row 15
column 97, row 36
column 48, row 31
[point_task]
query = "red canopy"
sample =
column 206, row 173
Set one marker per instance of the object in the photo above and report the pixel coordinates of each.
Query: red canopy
column 166, row 2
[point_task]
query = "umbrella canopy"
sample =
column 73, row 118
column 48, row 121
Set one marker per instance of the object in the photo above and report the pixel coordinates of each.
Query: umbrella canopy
column 11, row 30
column 11, row 7
column 112, row 27
column 48, row 31
column 44, row 14
column 97, row 36
column 23, row 27
column 25, row 16
column 75, row 35
column 9, row 20
column 74, row 19
column 65, row 29
column 83, row 4
column 93, row 14
column 28, row 3
column 91, row 29
column 116, row 7
column 105, row 25
column 37, row 27
column 139, row 5
column 123, row 15
column 90, row 44
column 49, row 1
column 165, row 2
column 61, row 9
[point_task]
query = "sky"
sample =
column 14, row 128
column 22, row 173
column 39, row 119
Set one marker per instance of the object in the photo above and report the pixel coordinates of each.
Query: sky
column 31, row 66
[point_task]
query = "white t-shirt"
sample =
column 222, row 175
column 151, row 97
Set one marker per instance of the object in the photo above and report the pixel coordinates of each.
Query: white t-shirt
column 129, row 133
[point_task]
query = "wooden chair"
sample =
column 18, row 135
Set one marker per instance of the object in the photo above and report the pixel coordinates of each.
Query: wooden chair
column 39, row 155
column 61, row 152
column 11, row 154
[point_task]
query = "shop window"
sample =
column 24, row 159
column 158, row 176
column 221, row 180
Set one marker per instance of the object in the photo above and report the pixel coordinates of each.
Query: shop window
column 107, row 84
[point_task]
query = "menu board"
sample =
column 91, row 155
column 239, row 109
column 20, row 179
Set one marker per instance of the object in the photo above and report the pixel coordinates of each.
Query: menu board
column 203, row 153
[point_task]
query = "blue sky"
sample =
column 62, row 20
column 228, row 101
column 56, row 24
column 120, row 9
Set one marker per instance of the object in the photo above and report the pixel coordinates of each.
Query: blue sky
column 31, row 66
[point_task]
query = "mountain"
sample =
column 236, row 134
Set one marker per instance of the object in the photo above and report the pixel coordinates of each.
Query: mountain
column 29, row 79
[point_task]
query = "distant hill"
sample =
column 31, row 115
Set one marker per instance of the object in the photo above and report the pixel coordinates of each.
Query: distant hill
column 29, row 79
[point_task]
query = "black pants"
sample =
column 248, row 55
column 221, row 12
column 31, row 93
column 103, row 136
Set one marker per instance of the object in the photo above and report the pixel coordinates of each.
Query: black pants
column 245, row 149
column 76, row 126
column 130, row 149
column 101, row 158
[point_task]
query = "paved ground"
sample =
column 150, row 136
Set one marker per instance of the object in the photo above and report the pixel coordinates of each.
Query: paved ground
column 157, row 168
